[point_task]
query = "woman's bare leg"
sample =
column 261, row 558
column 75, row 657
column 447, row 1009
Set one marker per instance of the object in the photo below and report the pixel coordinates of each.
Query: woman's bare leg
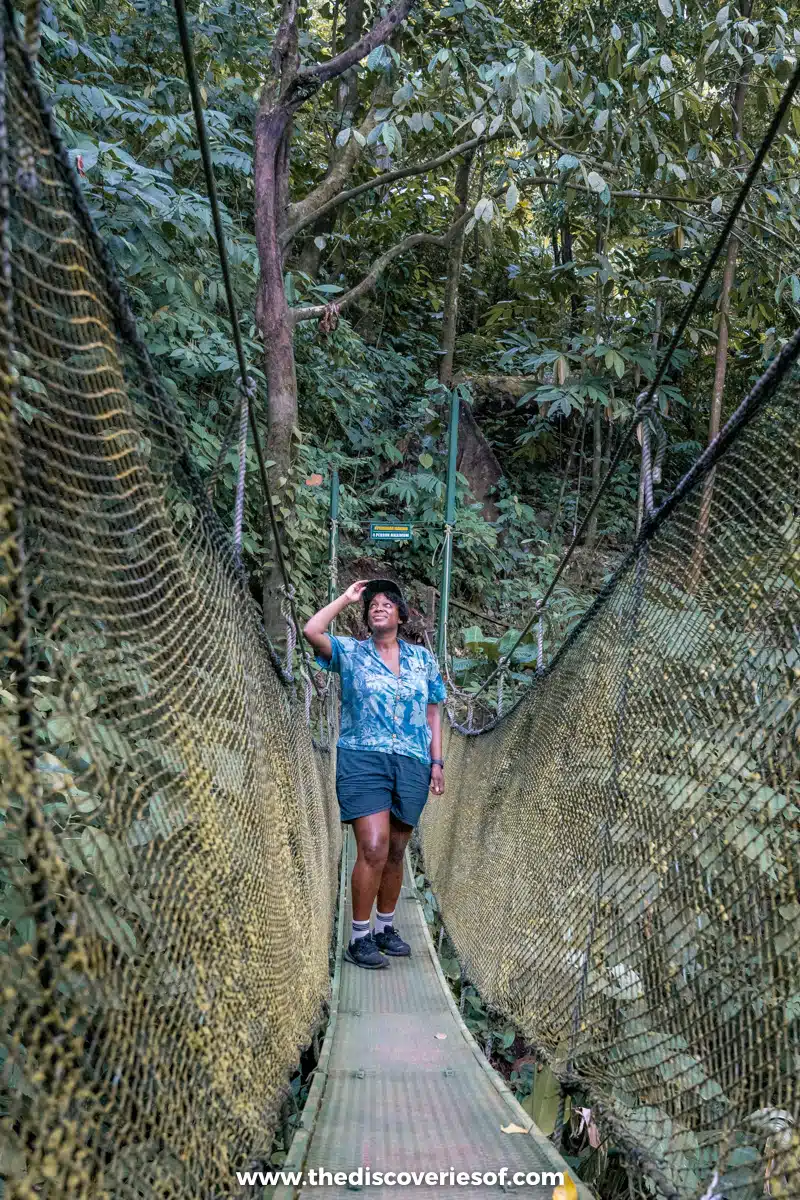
column 391, row 880
column 372, row 840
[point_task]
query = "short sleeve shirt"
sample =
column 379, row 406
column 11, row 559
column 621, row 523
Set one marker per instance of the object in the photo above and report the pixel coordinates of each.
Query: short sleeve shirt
column 382, row 711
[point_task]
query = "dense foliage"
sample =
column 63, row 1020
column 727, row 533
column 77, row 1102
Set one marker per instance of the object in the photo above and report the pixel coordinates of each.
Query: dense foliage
column 608, row 158
column 602, row 149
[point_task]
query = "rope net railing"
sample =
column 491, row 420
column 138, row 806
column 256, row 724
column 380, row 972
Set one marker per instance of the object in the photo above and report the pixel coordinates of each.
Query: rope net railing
column 617, row 859
column 169, row 836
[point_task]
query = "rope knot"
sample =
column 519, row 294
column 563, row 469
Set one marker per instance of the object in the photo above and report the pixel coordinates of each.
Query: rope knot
column 644, row 407
column 247, row 387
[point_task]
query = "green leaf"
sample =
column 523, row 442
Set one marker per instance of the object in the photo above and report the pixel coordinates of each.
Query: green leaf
column 716, row 204
column 596, row 182
column 666, row 8
column 541, row 109
column 60, row 730
column 103, row 857
column 109, row 925
column 484, row 210
column 600, row 122
column 377, row 59
column 512, row 197
column 568, row 162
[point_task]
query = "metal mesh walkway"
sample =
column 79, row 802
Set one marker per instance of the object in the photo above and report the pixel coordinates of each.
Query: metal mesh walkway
column 391, row 1095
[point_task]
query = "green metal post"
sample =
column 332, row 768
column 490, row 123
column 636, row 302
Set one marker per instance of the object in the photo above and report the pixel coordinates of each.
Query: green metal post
column 333, row 536
column 449, row 522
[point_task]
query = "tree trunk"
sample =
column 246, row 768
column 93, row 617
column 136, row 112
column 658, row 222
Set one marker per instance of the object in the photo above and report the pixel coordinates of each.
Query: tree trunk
column 723, row 334
column 289, row 87
column 454, row 260
column 346, row 104
column 277, row 331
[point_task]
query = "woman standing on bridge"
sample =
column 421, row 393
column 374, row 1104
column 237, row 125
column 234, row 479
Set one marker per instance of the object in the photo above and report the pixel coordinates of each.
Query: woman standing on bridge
column 389, row 752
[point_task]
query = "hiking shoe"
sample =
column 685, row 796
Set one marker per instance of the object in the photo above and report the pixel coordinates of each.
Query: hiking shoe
column 364, row 953
column 390, row 942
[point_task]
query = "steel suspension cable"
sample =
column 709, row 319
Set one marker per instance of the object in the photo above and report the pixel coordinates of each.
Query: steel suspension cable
column 760, row 393
column 648, row 397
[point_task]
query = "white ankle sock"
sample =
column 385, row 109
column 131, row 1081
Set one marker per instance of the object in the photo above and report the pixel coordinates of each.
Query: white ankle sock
column 360, row 930
column 382, row 920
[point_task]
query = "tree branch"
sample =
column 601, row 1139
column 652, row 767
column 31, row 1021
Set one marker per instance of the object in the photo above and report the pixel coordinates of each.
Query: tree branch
column 315, row 311
column 310, row 79
column 312, row 311
column 625, row 193
column 300, row 216
column 318, row 201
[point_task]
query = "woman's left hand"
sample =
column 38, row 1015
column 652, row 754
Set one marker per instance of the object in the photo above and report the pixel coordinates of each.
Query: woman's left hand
column 437, row 780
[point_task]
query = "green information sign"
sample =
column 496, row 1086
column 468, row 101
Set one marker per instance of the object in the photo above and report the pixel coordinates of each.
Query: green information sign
column 380, row 531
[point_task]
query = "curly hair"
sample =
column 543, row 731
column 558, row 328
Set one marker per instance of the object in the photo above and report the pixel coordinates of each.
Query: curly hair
column 396, row 598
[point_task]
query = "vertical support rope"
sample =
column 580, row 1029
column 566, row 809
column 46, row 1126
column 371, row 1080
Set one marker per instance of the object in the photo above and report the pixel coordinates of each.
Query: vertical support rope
column 558, row 1128
column 248, row 389
column 33, row 29
column 647, row 469
column 540, row 643
column 291, row 628
column 444, row 597
column 333, row 541
column 449, row 524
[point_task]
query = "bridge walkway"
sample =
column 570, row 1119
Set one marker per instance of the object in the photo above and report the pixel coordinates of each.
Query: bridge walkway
column 403, row 1086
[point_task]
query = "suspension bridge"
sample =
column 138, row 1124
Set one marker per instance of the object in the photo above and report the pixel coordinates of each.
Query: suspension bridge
column 615, row 861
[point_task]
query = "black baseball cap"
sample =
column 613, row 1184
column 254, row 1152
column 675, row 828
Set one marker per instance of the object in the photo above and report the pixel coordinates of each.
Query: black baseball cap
column 387, row 586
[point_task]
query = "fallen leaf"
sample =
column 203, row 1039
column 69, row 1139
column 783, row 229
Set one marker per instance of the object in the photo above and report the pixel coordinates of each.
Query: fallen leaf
column 513, row 1129
column 440, row 1036
column 567, row 1190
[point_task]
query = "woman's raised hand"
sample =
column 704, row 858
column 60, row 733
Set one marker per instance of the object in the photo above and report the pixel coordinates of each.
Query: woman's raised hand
column 356, row 591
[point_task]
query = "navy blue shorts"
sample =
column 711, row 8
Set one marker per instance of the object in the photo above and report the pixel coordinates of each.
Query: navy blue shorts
column 368, row 781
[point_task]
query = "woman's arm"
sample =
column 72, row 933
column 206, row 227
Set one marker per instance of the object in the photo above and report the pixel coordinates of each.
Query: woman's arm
column 437, row 772
column 315, row 627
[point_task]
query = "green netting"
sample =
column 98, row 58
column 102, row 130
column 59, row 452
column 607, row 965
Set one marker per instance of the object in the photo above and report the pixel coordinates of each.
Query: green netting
column 169, row 838
column 617, row 859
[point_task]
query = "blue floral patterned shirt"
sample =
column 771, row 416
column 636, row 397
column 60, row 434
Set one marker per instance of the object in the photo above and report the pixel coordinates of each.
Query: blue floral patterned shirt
column 380, row 710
